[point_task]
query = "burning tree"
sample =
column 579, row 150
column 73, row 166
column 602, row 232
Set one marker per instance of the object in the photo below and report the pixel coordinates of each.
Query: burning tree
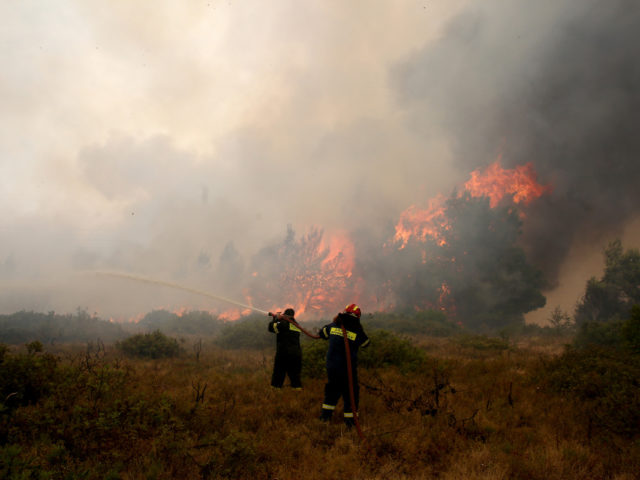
column 471, row 265
column 459, row 255
column 490, row 280
column 310, row 273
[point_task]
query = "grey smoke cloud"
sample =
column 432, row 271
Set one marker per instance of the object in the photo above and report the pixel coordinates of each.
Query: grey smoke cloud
column 179, row 142
column 551, row 83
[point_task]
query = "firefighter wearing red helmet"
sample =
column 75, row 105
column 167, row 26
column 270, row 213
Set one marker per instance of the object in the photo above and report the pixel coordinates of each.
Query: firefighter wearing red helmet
column 337, row 374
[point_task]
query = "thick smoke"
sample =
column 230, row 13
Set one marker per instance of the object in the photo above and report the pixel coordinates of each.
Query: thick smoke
column 131, row 146
column 554, row 83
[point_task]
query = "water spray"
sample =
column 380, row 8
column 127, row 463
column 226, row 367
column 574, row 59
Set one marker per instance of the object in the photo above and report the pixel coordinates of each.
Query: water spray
column 275, row 315
column 180, row 287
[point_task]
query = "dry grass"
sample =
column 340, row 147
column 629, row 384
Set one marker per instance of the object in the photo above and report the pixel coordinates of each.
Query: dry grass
column 466, row 414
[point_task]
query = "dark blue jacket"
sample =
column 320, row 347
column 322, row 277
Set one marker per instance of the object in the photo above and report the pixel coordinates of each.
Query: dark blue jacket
column 336, row 355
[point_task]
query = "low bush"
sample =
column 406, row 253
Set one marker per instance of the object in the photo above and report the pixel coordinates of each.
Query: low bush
column 51, row 328
column 623, row 335
column 604, row 386
column 314, row 354
column 250, row 332
column 385, row 350
column 457, row 416
column 189, row 323
column 483, row 343
column 25, row 378
column 631, row 331
column 390, row 350
column 428, row 322
column 150, row 345
column 602, row 334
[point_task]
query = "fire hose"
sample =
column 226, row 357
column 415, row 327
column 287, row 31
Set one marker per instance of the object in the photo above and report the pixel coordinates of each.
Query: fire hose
column 351, row 395
column 276, row 315
column 293, row 321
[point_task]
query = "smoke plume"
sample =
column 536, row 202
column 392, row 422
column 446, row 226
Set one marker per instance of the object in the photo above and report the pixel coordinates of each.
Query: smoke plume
column 179, row 144
column 553, row 83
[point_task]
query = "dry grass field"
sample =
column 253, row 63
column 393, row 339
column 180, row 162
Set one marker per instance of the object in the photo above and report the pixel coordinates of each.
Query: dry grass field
column 467, row 410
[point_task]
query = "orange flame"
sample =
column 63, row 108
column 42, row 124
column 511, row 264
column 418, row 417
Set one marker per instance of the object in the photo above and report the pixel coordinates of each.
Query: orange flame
column 496, row 183
column 317, row 272
column 341, row 256
column 422, row 223
column 233, row 314
column 323, row 286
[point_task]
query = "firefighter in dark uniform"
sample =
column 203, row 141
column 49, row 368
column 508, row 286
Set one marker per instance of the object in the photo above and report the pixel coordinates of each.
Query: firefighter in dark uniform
column 288, row 360
column 337, row 374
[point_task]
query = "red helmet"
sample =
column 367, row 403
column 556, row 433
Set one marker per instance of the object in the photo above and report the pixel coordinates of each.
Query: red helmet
column 353, row 309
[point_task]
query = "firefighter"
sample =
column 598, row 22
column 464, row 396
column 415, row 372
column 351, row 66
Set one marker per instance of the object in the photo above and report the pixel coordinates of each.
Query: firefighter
column 337, row 373
column 288, row 360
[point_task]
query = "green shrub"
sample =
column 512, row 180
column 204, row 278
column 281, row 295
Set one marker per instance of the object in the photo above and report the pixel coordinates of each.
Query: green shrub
column 235, row 456
column 49, row 328
column 603, row 334
column 150, row 345
column 631, row 331
column 189, row 323
column 614, row 334
column 24, row 379
column 604, row 385
column 250, row 332
column 387, row 349
column 427, row 322
column 314, row 354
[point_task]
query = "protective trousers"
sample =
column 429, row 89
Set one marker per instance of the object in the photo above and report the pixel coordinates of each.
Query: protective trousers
column 287, row 363
column 338, row 386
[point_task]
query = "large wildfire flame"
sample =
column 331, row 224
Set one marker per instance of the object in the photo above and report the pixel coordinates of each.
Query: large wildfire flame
column 497, row 183
column 312, row 275
column 422, row 224
column 315, row 274
column 316, row 277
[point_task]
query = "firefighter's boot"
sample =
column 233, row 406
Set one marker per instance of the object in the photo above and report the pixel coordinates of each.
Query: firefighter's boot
column 326, row 413
column 349, row 420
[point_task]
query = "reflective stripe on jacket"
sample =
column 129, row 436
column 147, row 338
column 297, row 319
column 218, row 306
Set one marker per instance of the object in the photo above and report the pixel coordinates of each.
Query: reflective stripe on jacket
column 336, row 355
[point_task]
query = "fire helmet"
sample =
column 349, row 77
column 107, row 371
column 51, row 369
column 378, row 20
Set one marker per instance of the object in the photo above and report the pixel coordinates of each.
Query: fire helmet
column 353, row 310
column 290, row 312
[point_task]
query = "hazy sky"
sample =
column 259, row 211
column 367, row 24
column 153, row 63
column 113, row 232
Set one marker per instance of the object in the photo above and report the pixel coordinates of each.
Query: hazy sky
column 146, row 136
